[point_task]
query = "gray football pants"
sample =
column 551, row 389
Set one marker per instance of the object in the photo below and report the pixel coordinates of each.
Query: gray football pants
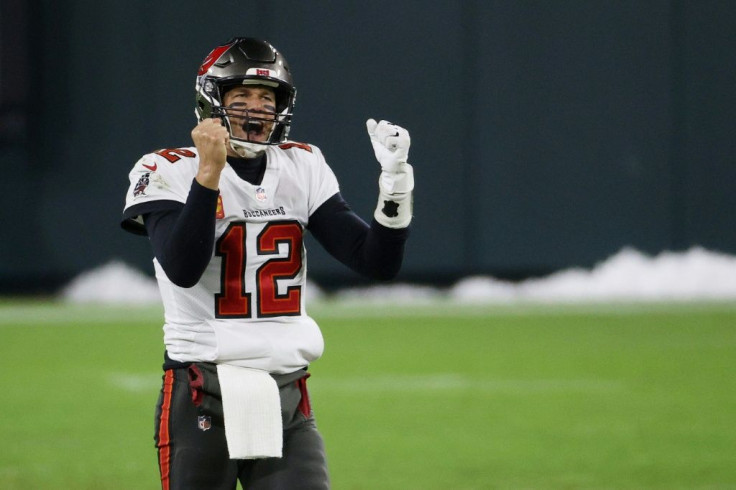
column 193, row 454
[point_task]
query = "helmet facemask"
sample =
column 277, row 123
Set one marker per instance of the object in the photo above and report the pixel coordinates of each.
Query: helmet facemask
column 256, row 128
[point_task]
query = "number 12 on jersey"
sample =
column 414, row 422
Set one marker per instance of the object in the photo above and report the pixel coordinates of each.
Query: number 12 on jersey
column 233, row 301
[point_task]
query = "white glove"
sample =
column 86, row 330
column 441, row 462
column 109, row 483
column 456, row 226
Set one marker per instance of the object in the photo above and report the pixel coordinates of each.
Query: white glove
column 396, row 183
column 390, row 144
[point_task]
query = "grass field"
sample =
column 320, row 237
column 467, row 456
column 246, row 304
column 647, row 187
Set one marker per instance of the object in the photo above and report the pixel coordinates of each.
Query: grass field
column 432, row 397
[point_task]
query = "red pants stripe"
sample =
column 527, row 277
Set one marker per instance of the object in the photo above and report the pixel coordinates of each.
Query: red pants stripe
column 164, row 438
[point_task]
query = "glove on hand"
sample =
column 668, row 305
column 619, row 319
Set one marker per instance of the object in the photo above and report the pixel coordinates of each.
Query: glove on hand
column 391, row 146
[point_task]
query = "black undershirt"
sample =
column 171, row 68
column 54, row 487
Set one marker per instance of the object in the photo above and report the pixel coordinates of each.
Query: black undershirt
column 250, row 170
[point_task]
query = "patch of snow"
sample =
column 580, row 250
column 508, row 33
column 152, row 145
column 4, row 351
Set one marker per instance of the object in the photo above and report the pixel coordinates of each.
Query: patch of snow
column 112, row 283
column 697, row 274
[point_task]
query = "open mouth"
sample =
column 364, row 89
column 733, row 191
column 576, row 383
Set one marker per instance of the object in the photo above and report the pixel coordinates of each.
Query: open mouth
column 254, row 129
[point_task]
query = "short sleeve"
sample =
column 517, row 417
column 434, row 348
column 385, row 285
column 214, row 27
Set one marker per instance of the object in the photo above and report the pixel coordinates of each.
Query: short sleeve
column 158, row 182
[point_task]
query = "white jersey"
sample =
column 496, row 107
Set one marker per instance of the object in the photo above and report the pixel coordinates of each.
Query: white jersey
column 248, row 308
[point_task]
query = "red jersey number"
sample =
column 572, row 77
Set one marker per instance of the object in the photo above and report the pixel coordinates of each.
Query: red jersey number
column 233, row 301
column 174, row 154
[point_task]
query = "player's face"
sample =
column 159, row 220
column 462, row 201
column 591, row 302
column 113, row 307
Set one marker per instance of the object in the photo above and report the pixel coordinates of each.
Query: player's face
column 252, row 110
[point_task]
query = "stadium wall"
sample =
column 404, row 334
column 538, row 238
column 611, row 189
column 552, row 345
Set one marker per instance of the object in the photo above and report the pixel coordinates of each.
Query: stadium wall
column 545, row 134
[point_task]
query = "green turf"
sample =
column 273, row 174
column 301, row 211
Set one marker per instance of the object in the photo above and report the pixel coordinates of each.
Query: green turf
column 434, row 397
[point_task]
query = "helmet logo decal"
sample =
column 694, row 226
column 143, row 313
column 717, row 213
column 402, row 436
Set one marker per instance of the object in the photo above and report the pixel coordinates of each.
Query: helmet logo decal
column 262, row 72
column 212, row 58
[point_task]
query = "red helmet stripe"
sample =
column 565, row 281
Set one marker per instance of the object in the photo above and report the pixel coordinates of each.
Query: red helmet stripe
column 212, row 58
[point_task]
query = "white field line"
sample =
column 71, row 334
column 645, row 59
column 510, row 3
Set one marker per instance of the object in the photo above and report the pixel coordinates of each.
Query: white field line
column 448, row 382
column 459, row 383
column 135, row 383
column 455, row 309
column 51, row 313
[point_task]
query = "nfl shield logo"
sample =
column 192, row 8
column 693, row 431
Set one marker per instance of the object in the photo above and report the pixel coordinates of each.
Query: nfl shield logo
column 204, row 422
column 261, row 194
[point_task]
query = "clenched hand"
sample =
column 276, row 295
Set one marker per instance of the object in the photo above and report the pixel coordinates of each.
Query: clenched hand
column 211, row 139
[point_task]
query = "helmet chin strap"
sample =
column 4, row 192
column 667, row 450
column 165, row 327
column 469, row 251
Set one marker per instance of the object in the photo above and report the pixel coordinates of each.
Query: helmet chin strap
column 246, row 150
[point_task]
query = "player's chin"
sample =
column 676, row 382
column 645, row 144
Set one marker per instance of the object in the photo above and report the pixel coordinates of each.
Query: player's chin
column 251, row 136
column 256, row 138
column 259, row 136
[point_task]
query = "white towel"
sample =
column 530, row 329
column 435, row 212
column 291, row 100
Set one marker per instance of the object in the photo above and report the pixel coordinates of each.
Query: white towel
column 252, row 410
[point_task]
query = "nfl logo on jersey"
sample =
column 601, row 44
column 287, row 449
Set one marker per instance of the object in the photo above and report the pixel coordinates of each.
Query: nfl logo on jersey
column 204, row 422
column 261, row 194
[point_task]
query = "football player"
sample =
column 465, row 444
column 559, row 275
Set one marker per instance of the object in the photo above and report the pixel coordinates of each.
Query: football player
column 226, row 219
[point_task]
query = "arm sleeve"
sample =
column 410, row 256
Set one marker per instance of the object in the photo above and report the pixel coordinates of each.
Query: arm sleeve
column 183, row 239
column 374, row 250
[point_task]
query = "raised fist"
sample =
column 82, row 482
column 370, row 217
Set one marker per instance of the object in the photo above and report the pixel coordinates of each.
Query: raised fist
column 390, row 144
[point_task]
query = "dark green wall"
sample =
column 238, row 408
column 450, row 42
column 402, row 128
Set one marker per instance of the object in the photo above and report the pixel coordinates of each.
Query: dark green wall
column 544, row 134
